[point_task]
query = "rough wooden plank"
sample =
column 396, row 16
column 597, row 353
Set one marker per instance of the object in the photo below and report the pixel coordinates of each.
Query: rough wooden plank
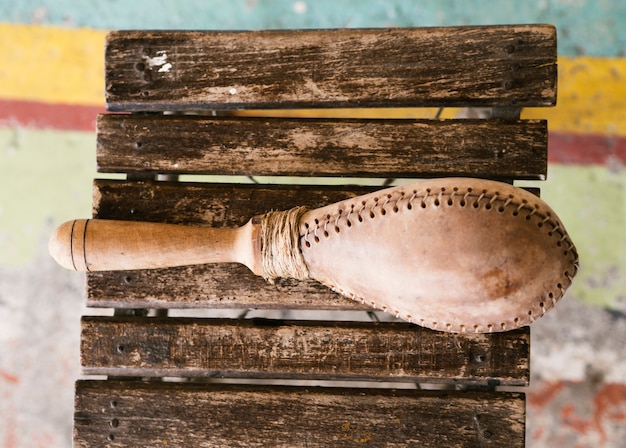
column 507, row 149
column 211, row 285
column 209, row 204
column 125, row 414
column 392, row 351
column 456, row 66
column 225, row 286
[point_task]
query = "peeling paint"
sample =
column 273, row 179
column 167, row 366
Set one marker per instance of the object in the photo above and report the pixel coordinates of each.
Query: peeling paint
column 590, row 415
column 9, row 377
column 165, row 68
column 160, row 60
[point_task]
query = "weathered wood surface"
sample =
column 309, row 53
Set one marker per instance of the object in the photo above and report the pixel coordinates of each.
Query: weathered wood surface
column 209, row 204
column 381, row 148
column 391, row 351
column 225, row 286
column 167, row 414
column 210, row 285
column 462, row 66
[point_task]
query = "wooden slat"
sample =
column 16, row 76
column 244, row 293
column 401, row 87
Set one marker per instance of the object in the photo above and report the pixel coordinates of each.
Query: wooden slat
column 365, row 148
column 210, row 285
column 463, row 66
column 143, row 414
column 391, row 351
column 218, row 205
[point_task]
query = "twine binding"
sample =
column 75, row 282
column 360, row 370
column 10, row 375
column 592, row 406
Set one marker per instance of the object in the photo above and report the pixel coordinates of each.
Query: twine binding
column 280, row 245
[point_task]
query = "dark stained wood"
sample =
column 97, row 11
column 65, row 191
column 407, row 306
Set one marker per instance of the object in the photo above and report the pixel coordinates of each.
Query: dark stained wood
column 168, row 414
column 507, row 149
column 208, row 204
column 462, row 66
column 391, row 351
column 229, row 286
column 214, row 286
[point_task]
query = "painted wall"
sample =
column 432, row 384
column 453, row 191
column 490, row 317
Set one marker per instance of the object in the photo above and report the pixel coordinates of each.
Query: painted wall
column 51, row 87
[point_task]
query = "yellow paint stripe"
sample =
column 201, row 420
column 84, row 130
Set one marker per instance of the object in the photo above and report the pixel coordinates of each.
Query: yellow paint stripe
column 52, row 65
column 60, row 65
column 591, row 97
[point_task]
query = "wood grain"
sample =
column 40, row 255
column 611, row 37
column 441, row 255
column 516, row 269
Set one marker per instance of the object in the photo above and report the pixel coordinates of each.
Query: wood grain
column 348, row 148
column 414, row 67
column 208, row 204
column 391, row 351
column 210, row 285
column 168, row 414
column 90, row 245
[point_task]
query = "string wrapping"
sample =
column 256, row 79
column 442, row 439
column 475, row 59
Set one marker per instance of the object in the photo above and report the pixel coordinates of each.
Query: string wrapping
column 280, row 245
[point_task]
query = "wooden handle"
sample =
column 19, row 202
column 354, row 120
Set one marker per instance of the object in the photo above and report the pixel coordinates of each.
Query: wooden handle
column 102, row 245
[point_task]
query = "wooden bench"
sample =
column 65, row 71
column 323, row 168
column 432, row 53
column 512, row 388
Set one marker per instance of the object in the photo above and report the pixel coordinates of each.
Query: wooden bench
column 212, row 355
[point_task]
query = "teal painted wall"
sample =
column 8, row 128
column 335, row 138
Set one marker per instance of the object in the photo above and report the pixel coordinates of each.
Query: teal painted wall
column 590, row 27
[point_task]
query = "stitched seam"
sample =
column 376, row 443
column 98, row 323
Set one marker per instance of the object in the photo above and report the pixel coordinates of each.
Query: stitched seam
column 367, row 209
column 493, row 202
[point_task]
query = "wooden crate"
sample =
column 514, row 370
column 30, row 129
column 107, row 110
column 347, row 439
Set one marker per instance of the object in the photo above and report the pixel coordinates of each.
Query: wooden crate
column 324, row 371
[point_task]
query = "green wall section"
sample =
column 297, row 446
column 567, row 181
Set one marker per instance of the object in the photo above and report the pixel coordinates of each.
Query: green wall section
column 591, row 27
column 590, row 200
column 40, row 190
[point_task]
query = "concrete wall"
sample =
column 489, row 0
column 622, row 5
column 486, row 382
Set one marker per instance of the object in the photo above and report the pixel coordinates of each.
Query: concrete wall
column 51, row 86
